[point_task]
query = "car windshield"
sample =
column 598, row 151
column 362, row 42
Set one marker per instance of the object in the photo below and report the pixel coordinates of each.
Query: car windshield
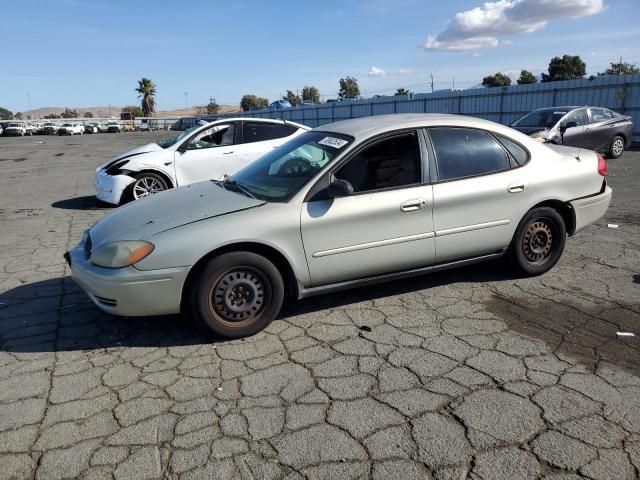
column 67, row 125
column 173, row 140
column 544, row 118
column 281, row 173
column 15, row 125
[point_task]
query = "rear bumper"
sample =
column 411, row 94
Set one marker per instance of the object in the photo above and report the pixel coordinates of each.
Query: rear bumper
column 591, row 209
column 128, row 291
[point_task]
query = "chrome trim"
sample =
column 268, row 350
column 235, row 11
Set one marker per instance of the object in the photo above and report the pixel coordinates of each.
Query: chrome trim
column 468, row 228
column 379, row 243
column 372, row 280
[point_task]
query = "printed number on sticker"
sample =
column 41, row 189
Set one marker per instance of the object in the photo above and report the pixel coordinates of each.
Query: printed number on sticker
column 333, row 142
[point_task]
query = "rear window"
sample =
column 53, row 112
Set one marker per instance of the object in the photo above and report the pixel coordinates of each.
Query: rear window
column 260, row 132
column 518, row 153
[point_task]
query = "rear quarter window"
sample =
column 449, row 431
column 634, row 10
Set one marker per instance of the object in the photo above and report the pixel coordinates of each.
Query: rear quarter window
column 261, row 132
column 519, row 154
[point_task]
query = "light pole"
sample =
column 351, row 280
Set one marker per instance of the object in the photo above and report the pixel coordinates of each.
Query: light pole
column 186, row 103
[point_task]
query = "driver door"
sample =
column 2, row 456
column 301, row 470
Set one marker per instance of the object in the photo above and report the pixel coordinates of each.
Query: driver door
column 576, row 122
column 209, row 154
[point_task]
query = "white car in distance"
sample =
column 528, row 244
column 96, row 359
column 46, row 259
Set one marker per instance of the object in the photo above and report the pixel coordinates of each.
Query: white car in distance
column 203, row 152
column 17, row 129
column 71, row 129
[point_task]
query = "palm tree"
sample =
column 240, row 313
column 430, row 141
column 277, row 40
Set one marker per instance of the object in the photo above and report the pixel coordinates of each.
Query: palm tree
column 147, row 90
column 402, row 91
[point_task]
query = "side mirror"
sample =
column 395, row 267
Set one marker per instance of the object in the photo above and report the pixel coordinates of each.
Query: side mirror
column 571, row 124
column 339, row 188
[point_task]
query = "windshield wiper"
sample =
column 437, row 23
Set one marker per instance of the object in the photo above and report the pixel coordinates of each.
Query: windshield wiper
column 235, row 186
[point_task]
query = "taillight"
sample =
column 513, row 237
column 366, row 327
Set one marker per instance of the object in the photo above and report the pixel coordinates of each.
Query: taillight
column 602, row 165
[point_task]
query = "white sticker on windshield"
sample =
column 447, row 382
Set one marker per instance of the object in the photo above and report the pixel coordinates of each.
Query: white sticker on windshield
column 333, row 142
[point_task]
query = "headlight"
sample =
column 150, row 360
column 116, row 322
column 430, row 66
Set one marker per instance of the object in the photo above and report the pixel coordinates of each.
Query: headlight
column 121, row 254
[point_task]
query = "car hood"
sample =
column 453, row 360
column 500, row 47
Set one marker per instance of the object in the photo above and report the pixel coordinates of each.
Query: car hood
column 150, row 147
column 169, row 209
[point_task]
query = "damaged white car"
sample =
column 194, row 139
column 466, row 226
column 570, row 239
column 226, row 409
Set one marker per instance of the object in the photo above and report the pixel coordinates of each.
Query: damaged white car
column 203, row 152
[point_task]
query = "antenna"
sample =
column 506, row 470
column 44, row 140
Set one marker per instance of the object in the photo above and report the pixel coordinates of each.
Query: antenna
column 581, row 140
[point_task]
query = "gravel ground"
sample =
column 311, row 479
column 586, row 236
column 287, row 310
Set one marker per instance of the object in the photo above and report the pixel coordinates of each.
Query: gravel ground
column 467, row 373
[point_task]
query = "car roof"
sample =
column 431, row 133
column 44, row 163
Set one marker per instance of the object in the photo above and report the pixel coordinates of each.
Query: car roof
column 365, row 127
column 264, row 120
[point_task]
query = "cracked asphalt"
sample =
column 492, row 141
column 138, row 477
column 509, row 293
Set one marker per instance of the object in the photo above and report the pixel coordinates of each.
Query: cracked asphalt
column 469, row 373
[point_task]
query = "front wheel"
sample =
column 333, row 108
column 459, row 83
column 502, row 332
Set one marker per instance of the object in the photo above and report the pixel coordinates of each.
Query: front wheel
column 616, row 149
column 146, row 184
column 538, row 242
column 237, row 294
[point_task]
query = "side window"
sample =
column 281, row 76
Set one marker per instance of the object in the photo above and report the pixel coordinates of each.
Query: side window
column 600, row 115
column 217, row 136
column 263, row 131
column 518, row 153
column 579, row 117
column 465, row 152
column 392, row 162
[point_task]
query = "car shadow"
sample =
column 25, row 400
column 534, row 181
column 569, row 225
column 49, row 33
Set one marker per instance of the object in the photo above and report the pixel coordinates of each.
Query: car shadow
column 56, row 315
column 89, row 202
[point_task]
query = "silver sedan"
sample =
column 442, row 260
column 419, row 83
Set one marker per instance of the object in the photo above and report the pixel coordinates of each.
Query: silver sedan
column 352, row 203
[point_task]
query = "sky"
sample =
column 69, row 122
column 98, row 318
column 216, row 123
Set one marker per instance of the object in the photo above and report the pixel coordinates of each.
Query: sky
column 82, row 53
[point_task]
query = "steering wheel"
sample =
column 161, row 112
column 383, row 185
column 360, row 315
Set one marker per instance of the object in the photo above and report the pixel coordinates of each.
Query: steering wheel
column 294, row 167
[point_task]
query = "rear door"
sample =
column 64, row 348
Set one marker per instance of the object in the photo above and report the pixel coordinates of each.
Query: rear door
column 259, row 138
column 211, row 153
column 385, row 225
column 601, row 128
column 481, row 192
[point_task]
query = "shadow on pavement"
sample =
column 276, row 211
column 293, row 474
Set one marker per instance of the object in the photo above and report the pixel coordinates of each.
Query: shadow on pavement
column 90, row 202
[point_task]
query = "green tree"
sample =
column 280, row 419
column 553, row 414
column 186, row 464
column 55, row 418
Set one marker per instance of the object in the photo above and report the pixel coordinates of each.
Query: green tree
column 51, row 116
column 18, row 116
column 621, row 68
column 349, row 87
column 212, row 107
column 147, row 91
column 88, row 115
column 526, row 77
column 310, row 94
column 402, row 91
column 496, row 80
column 134, row 110
column 69, row 113
column 569, row 67
column 292, row 98
column 251, row 102
column 5, row 114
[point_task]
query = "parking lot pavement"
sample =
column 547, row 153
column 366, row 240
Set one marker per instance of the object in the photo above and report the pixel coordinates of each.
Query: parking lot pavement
column 464, row 373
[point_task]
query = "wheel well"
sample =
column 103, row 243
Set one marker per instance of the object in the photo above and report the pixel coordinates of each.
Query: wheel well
column 270, row 253
column 623, row 137
column 157, row 172
column 565, row 210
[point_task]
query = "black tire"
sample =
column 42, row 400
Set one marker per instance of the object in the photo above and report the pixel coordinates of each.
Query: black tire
column 616, row 148
column 538, row 242
column 237, row 294
column 152, row 179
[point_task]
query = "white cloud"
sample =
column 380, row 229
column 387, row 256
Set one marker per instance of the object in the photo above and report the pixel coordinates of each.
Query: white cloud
column 403, row 71
column 376, row 72
column 482, row 26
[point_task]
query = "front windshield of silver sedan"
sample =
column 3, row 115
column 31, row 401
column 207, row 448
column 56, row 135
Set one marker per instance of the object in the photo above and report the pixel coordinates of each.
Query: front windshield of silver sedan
column 281, row 173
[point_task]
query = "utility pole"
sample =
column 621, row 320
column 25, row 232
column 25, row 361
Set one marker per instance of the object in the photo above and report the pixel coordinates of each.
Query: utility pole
column 29, row 96
column 453, row 83
column 431, row 82
column 186, row 103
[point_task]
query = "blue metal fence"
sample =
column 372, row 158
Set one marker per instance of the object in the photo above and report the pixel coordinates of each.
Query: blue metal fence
column 500, row 104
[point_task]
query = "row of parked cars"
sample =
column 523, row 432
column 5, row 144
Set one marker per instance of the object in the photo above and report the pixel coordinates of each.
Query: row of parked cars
column 236, row 215
column 21, row 129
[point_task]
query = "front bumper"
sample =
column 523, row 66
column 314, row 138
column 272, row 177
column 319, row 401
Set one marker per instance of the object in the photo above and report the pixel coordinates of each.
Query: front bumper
column 109, row 188
column 589, row 210
column 128, row 291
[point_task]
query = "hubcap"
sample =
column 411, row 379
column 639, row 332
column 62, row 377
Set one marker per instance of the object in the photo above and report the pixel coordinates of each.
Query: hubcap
column 146, row 186
column 240, row 295
column 617, row 147
column 537, row 242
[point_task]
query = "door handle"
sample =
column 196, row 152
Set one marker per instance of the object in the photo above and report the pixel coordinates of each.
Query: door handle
column 413, row 204
column 517, row 187
column 228, row 153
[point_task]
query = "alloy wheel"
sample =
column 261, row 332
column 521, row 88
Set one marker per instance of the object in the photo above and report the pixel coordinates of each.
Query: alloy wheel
column 146, row 186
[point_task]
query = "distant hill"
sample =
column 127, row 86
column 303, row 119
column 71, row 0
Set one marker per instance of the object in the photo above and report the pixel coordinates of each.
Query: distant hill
column 104, row 112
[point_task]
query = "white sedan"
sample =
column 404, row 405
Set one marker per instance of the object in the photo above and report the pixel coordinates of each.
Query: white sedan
column 71, row 129
column 203, row 152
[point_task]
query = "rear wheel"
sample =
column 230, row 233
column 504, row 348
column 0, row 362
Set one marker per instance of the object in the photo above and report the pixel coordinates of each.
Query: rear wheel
column 237, row 294
column 538, row 242
column 146, row 184
column 616, row 149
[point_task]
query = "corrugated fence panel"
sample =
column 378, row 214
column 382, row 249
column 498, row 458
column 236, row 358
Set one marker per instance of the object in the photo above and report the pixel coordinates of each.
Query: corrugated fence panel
column 501, row 104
